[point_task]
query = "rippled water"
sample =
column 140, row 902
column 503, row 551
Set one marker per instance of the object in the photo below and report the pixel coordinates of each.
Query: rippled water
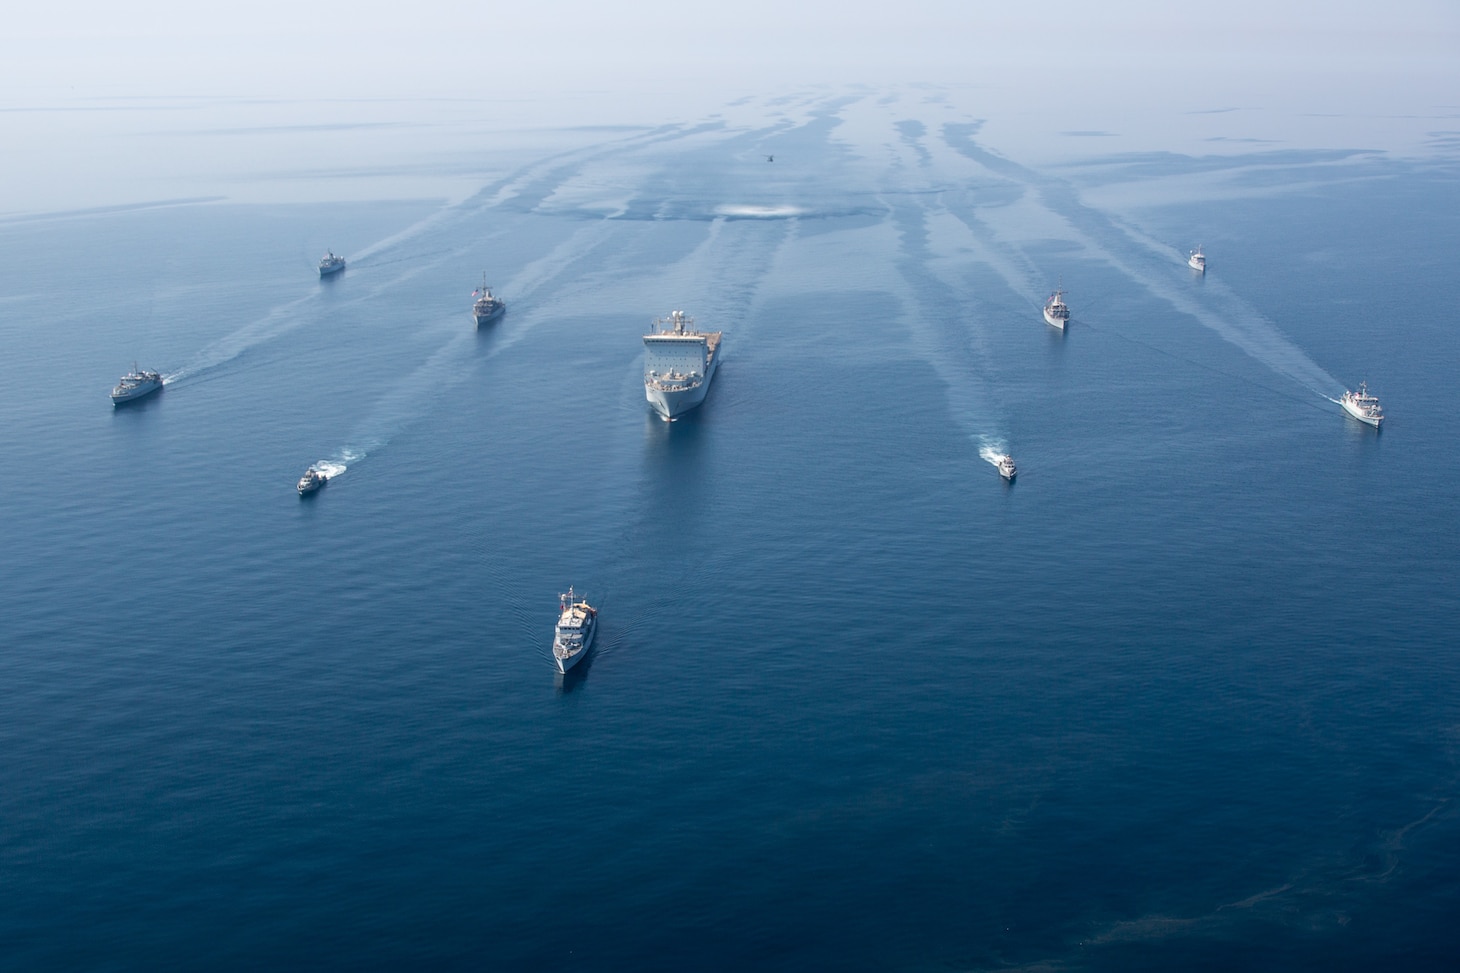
column 1183, row 696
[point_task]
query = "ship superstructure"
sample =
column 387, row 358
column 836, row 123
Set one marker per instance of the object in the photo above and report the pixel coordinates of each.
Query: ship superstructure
column 678, row 364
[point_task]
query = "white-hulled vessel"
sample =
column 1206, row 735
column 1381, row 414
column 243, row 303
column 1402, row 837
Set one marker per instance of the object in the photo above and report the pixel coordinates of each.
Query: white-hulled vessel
column 1056, row 311
column 487, row 307
column 331, row 263
column 1006, row 466
column 573, row 635
column 1197, row 260
column 678, row 364
column 135, row 384
column 1363, row 406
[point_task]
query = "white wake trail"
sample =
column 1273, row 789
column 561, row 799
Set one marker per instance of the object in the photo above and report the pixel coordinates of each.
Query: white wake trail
column 941, row 322
column 1148, row 262
column 276, row 322
column 991, row 451
column 1238, row 323
column 449, row 366
column 402, row 404
column 409, row 233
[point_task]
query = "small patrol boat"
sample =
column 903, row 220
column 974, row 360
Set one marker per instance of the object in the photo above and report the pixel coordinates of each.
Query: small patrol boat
column 1197, row 260
column 311, row 481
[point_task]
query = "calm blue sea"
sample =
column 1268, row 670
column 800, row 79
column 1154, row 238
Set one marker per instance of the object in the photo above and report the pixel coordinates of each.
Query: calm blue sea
column 1183, row 696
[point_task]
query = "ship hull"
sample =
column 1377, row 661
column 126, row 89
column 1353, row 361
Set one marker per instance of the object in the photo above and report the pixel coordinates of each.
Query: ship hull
column 1198, row 267
column 331, row 271
column 1354, row 411
column 132, row 395
column 488, row 318
column 565, row 664
column 1050, row 319
column 671, row 404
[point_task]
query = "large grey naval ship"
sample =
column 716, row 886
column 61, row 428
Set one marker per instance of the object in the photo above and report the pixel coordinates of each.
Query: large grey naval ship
column 488, row 306
column 678, row 364
column 331, row 263
column 135, row 384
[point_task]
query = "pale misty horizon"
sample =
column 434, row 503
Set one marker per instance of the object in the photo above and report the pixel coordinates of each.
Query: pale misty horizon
column 443, row 48
column 274, row 102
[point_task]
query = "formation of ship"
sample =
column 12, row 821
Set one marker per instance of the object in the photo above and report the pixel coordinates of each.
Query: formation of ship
column 679, row 363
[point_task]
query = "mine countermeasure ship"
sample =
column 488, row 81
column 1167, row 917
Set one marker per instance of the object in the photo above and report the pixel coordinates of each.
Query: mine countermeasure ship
column 573, row 636
column 1056, row 311
column 135, row 384
column 487, row 307
column 331, row 263
column 1363, row 406
column 678, row 364
column 1197, row 260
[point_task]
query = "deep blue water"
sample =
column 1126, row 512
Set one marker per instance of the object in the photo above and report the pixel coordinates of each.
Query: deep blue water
column 1184, row 696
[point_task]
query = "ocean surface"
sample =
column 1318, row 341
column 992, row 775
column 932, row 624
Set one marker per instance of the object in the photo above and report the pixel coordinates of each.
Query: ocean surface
column 1185, row 695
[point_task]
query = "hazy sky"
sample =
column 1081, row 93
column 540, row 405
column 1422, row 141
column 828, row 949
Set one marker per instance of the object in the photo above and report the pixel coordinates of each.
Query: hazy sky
column 445, row 47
